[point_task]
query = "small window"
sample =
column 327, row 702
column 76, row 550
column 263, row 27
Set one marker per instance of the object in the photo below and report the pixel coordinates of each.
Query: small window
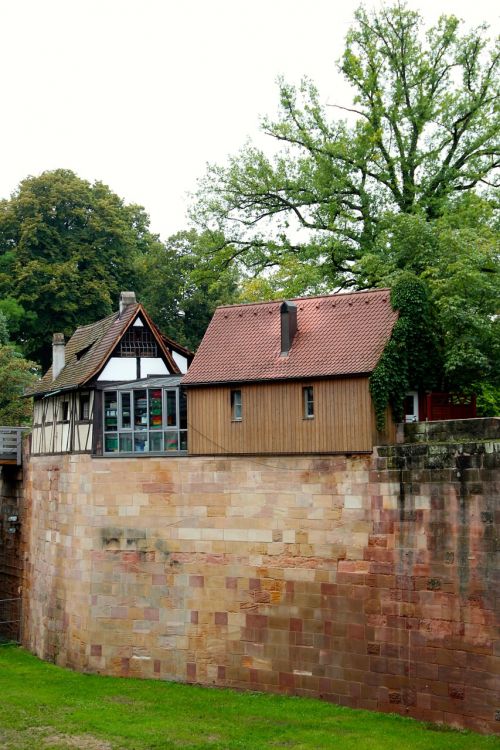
column 64, row 411
column 236, row 406
column 308, row 397
column 84, row 406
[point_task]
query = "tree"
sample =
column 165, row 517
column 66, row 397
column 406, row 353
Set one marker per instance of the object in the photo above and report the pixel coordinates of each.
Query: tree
column 456, row 256
column 16, row 374
column 67, row 249
column 424, row 128
column 181, row 286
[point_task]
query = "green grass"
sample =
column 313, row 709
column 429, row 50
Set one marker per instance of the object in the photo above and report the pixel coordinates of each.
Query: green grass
column 44, row 706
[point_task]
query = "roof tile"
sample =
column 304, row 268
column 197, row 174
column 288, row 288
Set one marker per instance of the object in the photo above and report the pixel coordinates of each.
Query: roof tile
column 341, row 334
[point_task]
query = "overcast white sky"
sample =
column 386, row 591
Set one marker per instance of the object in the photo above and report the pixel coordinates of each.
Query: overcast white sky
column 142, row 93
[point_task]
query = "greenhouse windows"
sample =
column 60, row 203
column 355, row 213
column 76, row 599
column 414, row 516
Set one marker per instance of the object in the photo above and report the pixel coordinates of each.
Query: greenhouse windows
column 145, row 420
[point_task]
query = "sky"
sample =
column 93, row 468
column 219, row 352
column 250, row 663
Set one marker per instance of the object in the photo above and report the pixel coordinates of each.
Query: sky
column 142, row 94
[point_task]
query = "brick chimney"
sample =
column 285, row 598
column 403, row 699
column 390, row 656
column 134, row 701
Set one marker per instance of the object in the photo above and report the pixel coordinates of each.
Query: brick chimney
column 58, row 355
column 288, row 313
column 126, row 299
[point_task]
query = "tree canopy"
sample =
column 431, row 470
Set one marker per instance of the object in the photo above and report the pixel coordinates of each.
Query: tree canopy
column 423, row 127
column 67, row 248
column 181, row 285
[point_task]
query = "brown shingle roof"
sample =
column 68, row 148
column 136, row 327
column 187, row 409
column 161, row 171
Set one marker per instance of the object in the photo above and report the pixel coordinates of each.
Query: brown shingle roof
column 341, row 334
column 89, row 348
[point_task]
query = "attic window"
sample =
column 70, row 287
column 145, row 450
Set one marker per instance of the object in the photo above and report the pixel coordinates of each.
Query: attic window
column 138, row 342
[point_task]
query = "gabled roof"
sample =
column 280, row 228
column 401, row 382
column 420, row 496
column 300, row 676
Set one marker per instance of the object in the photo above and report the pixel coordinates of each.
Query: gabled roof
column 90, row 347
column 340, row 334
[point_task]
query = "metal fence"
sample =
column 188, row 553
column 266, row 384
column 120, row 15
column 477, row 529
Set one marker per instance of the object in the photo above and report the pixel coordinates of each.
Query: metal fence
column 10, row 620
column 11, row 444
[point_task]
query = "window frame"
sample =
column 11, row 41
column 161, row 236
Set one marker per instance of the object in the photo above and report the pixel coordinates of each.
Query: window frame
column 84, row 400
column 65, row 410
column 236, row 416
column 146, row 432
column 308, row 402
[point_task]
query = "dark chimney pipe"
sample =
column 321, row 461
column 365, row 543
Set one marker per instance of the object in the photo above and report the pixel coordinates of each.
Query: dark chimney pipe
column 288, row 314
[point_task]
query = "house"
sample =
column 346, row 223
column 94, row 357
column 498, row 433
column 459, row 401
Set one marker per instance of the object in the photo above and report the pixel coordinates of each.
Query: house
column 112, row 389
column 289, row 377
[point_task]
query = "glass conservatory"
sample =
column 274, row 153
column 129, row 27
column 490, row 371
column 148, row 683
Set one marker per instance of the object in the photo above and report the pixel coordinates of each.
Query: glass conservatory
column 145, row 416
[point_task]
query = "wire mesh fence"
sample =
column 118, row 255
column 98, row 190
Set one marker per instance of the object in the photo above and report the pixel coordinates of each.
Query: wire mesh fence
column 10, row 620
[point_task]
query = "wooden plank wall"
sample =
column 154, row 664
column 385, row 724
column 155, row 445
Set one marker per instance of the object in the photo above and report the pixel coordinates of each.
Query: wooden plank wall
column 273, row 418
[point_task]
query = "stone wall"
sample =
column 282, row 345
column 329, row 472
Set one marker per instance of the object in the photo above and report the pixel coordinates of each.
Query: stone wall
column 367, row 581
column 11, row 553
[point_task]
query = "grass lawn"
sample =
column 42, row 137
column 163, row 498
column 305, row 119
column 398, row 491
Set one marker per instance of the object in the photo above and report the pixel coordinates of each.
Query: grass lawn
column 48, row 708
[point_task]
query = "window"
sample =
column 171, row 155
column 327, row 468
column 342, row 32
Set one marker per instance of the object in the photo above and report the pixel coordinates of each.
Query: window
column 64, row 411
column 84, row 407
column 236, row 406
column 138, row 342
column 145, row 420
column 308, row 399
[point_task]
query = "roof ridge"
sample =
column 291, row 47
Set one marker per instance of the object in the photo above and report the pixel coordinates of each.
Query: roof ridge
column 280, row 300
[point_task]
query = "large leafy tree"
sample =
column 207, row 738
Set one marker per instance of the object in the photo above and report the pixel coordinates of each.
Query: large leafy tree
column 423, row 127
column 181, row 286
column 67, row 248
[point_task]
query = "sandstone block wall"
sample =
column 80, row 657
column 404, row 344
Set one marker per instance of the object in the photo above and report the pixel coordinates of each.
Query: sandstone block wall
column 11, row 553
column 367, row 581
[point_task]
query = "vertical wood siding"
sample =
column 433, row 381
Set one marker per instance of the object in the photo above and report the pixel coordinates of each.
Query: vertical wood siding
column 273, row 418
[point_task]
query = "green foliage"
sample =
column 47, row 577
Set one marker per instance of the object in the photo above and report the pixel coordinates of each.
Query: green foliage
column 457, row 256
column 180, row 285
column 44, row 706
column 488, row 400
column 16, row 374
column 4, row 331
column 411, row 358
column 67, row 249
column 423, row 127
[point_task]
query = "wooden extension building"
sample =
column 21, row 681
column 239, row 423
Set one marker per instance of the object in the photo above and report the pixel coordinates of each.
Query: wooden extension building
column 289, row 377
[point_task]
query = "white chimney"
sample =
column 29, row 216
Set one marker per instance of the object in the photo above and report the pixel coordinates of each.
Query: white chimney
column 58, row 356
column 126, row 299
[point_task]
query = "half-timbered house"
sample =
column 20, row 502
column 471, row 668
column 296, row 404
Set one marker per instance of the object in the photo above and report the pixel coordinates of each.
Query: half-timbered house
column 112, row 389
column 289, row 377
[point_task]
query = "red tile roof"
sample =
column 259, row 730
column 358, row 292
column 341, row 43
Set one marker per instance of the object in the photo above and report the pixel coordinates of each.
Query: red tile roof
column 340, row 334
